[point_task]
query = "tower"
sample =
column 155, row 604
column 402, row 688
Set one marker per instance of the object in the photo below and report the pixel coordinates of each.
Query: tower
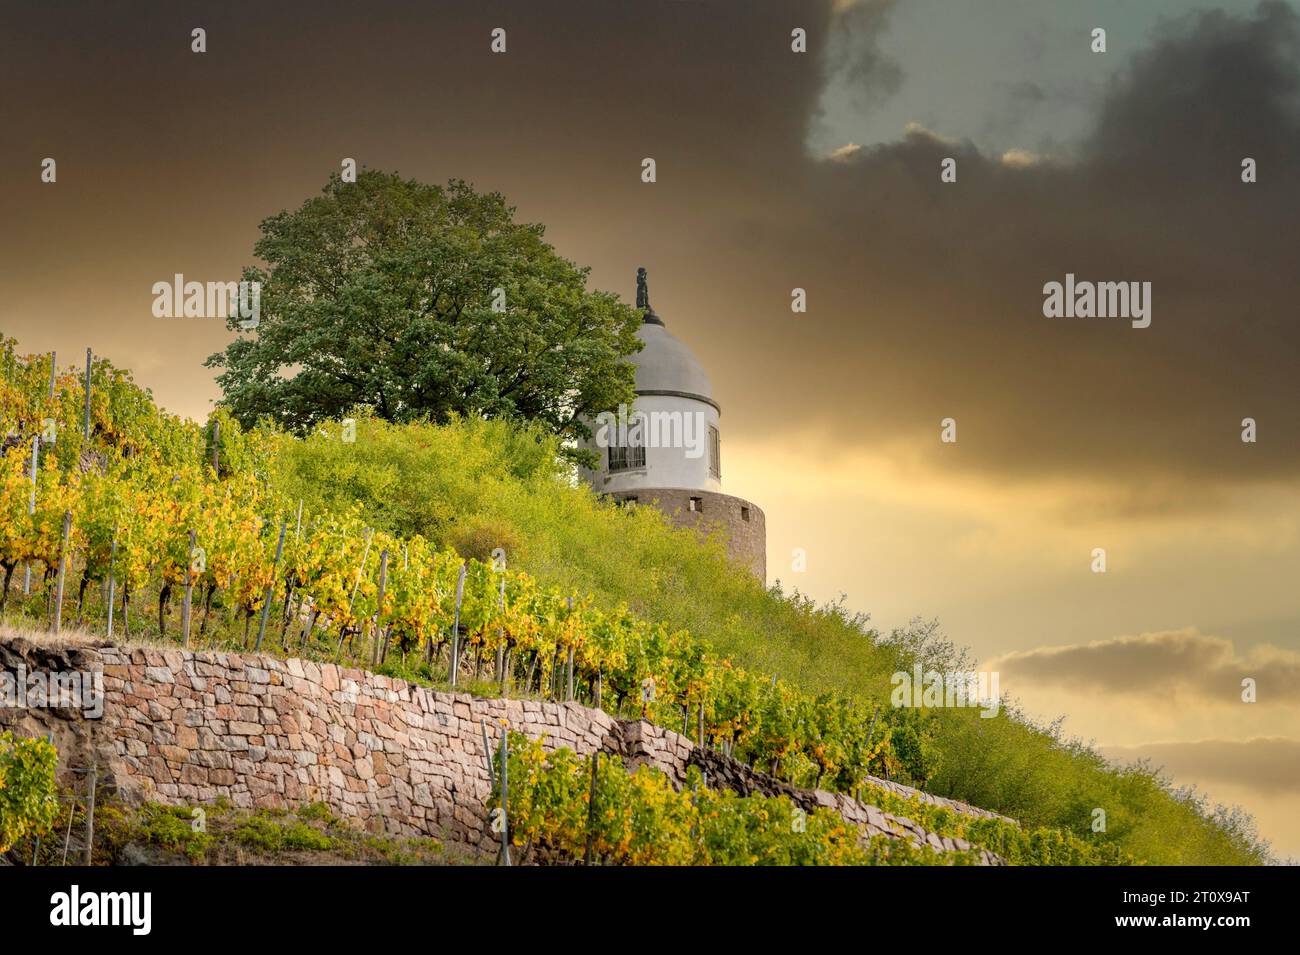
column 666, row 450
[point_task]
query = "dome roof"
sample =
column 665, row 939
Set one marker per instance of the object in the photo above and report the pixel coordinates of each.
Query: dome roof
column 667, row 367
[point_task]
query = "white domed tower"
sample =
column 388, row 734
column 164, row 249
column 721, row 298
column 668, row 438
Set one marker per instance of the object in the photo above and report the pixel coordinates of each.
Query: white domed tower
column 667, row 449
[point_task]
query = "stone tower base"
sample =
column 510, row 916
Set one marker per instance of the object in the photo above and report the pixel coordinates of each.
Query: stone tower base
column 742, row 521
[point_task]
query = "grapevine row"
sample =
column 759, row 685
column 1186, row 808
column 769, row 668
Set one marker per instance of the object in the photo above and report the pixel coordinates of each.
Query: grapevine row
column 561, row 807
column 145, row 484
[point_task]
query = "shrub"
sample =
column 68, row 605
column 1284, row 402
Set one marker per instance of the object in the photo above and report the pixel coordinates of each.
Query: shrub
column 172, row 827
column 28, row 800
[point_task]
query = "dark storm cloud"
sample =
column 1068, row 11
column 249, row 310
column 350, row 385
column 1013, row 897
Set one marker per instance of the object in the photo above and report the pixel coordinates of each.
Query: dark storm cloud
column 924, row 298
column 169, row 159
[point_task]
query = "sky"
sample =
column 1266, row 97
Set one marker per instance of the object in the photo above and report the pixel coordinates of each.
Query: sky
column 779, row 170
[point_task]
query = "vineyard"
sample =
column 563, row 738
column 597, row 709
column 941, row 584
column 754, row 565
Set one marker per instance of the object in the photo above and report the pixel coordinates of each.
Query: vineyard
column 166, row 515
column 592, row 809
column 120, row 518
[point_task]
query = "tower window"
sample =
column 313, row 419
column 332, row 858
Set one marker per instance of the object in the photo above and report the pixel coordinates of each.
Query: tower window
column 715, row 453
column 624, row 459
column 744, row 513
column 697, row 504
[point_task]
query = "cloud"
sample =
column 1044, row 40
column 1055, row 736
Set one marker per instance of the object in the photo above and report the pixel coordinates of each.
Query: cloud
column 1268, row 765
column 926, row 297
column 1185, row 663
column 1020, row 157
column 845, row 152
column 918, row 132
column 854, row 59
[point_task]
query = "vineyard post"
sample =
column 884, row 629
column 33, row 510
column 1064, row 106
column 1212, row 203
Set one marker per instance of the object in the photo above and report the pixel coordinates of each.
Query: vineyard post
column 501, row 643
column 288, row 593
column 598, row 682
column 455, row 627
column 505, row 796
column 87, row 428
column 487, row 754
column 365, row 555
column 187, row 602
column 352, row 599
column 31, row 508
column 270, row 590
column 591, row 808
column 379, row 605
column 63, row 571
column 568, row 695
column 700, row 724
column 67, row 835
column 54, row 368
column 216, row 448
column 90, row 812
column 112, row 584
column 287, row 612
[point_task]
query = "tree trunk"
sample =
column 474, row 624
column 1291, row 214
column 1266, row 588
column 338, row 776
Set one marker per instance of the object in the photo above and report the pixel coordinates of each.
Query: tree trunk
column 284, row 622
column 9, row 573
column 207, row 607
column 81, row 592
column 163, row 596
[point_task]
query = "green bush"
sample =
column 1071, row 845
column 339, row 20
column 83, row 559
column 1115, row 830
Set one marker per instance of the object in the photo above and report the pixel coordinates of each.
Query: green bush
column 28, row 799
column 265, row 834
column 172, row 827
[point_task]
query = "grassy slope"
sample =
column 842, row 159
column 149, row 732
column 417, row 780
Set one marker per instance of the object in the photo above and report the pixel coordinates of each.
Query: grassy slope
column 480, row 485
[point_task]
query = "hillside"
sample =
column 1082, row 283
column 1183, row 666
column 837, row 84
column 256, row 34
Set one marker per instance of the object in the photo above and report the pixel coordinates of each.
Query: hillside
column 799, row 690
column 485, row 484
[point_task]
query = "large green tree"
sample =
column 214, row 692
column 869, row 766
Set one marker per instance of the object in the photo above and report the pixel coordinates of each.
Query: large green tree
column 419, row 301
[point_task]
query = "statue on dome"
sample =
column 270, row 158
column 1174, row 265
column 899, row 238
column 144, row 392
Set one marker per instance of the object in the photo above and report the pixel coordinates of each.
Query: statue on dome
column 642, row 292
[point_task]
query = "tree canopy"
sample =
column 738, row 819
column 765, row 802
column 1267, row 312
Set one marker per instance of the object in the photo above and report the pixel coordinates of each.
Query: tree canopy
column 422, row 301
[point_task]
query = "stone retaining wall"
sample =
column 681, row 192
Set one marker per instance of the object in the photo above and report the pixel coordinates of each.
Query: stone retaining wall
column 185, row 727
